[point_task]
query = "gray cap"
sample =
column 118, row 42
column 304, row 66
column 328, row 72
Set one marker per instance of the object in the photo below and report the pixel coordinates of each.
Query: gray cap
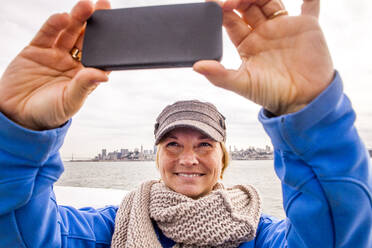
column 202, row 116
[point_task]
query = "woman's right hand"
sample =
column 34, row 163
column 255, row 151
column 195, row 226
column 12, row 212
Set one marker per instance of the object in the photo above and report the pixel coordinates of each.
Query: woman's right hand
column 43, row 87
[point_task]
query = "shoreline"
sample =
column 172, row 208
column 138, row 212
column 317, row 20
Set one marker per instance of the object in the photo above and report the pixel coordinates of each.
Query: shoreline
column 143, row 160
column 82, row 160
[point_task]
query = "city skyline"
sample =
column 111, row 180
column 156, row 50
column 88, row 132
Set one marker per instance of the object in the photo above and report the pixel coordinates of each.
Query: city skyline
column 122, row 112
column 150, row 155
column 126, row 150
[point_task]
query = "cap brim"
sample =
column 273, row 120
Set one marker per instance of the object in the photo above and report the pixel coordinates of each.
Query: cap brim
column 197, row 125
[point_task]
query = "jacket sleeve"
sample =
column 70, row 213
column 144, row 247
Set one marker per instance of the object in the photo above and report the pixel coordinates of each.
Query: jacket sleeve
column 325, row 172
column 29, row 215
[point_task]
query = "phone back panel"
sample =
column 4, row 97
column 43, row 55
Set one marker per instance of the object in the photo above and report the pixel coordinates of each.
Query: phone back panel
column 153, row 37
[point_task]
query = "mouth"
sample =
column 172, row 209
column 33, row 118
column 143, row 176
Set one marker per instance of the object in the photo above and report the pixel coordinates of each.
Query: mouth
column 189, row 175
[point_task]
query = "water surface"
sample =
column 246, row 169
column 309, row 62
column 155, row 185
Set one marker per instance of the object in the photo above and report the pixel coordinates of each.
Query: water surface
column 128, row 175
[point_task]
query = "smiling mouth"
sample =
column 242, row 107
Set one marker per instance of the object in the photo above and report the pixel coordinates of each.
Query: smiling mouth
column 189, row 175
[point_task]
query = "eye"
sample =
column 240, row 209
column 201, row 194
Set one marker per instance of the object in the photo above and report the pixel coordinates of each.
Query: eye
column 172, row 144
column 173, row 147
column 205, row 144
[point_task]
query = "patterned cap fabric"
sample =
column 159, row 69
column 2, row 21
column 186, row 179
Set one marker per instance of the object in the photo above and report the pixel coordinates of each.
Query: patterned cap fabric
column 202, row 116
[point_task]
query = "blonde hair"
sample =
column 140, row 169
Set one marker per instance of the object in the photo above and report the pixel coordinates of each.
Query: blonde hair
column 225, row 157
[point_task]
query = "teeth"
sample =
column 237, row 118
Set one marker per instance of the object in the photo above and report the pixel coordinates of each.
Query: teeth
column 189, row 175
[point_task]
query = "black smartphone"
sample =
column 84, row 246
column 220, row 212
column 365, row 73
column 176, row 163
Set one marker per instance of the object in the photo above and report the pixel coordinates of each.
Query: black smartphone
column 153, row 37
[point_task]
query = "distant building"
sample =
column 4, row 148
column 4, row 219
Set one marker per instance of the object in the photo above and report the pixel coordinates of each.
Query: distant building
column 252, row 153
column 113, row 156
column 124, row 152
column 268, row 149
column 103, row 157
column 126, row 155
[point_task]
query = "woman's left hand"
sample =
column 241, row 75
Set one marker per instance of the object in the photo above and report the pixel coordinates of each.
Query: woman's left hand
column 285, row 59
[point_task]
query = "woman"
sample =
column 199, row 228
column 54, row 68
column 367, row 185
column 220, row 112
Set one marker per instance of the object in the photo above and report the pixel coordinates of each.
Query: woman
column 188, row 206
column 286, row 68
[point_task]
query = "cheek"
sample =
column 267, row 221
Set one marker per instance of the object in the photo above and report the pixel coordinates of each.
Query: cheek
column 216, row 164
column 164, row 165
column 219, row 168
column 220, row 161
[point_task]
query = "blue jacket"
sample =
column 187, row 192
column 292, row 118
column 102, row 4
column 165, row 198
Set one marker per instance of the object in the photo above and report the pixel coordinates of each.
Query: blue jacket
column 322, row 163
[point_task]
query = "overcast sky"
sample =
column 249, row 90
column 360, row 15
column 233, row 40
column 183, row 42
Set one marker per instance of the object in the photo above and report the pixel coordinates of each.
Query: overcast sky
column 121, row 113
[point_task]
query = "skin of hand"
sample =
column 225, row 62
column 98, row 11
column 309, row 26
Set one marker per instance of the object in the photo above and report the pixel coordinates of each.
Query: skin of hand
column 285, row 60
column 285, row 63
column 43, row 87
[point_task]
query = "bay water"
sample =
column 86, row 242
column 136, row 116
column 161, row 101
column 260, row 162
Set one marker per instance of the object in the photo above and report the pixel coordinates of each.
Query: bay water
column 127, row 175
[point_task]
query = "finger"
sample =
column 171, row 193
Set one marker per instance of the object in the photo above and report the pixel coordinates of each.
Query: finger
column 219, row 76
column 100, row 4
column 237, row 4
column 81, row 86
column 79, row 14
column 47, row 35
column 248, row 9
column 272, row 7
column 236, row 28
column 311, row 7
column 261, row 2
column 220, row 3
column 254, row 16
column 80, row 40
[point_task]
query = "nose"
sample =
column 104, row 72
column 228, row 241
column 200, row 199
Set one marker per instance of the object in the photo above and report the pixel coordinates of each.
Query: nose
column 188, row 158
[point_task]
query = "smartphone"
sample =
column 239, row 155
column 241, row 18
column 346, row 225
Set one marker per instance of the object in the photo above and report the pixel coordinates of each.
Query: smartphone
column 153, row 37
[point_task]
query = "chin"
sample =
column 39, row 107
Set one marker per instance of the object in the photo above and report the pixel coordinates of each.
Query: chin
column 190, row 192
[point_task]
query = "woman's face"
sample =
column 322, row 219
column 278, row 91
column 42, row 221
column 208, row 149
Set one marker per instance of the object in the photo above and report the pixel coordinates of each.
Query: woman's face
column 190, row 163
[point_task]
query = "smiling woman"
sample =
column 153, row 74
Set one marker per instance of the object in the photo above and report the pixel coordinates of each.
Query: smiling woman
column 190, row 163
column 286, row 67
column 189, row 159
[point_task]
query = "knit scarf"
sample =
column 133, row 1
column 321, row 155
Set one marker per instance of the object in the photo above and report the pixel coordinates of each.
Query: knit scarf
column 223, row 218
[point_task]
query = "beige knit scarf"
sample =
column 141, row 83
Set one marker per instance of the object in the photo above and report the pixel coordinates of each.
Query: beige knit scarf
column 224, row 218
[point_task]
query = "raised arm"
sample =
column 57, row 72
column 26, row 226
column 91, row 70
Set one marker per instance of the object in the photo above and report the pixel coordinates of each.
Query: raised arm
column 285, row 59
column 43, row 87
column 325, row 172
column 39, row 92
column 322, row 163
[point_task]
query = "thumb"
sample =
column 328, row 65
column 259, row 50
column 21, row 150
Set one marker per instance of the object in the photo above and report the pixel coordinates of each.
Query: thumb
column 216, row 73
column 84, row 82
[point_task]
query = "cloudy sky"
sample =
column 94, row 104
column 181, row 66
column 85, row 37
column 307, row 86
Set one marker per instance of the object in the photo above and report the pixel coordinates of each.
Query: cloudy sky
column 121, row 113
